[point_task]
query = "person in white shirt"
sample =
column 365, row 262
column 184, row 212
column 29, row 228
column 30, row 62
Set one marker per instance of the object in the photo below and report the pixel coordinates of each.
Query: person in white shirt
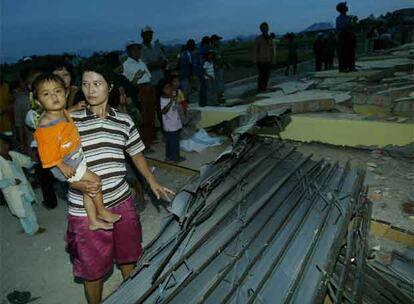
column 134, row 68
column 137, row 72
column 208, row 73
column 153, row 54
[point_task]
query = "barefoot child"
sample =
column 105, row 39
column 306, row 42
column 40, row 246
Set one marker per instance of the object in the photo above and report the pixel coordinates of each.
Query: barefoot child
column 60, row 149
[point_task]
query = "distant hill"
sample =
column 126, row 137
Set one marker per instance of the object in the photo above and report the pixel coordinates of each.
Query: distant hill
column 321, row 26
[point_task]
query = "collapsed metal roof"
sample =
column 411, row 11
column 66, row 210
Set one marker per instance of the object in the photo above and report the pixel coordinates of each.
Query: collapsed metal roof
column 262, row 224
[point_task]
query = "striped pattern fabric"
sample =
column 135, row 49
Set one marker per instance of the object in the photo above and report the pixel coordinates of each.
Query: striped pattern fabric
column 104, row 143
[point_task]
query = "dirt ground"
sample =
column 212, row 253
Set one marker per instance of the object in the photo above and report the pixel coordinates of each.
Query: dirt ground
column 41, row 265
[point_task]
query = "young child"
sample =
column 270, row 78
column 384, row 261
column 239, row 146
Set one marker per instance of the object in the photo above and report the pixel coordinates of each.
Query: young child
column 16, row 189
column 60, row 149
column 182, row 101
column 171, row 122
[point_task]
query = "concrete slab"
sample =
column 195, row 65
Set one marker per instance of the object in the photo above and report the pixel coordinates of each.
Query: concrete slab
column 349, row 130
column 384, row 63
column 372, row 74
column 293, row 86
column 331, row 82
column 211, row 116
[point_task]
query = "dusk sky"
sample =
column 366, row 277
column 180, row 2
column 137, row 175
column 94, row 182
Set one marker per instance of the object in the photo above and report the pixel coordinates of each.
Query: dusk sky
column 31, row 27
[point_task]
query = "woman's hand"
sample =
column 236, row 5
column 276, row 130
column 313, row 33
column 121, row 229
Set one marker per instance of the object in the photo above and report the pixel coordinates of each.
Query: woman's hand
column 159, row 190
column 87, row 187
column 77, row 107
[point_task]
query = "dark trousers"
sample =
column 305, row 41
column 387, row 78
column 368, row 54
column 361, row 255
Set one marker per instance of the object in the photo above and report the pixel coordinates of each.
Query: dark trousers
column 328, row 63
column 148, row 99
column 202, row 94
column 172, row 145
column 46, row 180
column 346, row 51
column 318, row 63
column 264, row 74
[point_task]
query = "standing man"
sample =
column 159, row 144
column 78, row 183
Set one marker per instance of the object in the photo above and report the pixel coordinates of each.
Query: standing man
column 263, row 56
column 346, row 39
column 201, row 57
column 318, row 52
column 188, row 68
column 152, row 55
column 292, row 54
column 137, row 72
column 218, row 64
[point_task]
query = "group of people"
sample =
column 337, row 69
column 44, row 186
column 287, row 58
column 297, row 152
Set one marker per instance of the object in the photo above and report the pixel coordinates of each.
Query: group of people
column 324, row 49
column 201, row 69
column 90, row 135
column 86, row 136
column 343, row 41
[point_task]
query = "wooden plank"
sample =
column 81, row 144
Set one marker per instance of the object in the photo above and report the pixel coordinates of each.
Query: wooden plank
column 171, row 166
column 387, row 231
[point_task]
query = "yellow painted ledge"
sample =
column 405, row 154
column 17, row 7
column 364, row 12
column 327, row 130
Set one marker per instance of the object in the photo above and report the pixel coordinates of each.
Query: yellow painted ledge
column 213, row 117
column 348, row 132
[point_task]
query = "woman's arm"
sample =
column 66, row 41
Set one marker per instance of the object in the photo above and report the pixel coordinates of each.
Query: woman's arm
column 141, row 164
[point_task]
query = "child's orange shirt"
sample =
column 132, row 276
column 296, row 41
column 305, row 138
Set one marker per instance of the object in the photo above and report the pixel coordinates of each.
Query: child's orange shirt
column 57, row 141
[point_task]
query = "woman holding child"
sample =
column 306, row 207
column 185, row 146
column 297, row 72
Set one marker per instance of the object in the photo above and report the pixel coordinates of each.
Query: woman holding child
column 106, row 134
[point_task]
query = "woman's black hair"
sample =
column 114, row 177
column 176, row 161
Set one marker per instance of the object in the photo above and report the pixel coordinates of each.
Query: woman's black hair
column 108, row 75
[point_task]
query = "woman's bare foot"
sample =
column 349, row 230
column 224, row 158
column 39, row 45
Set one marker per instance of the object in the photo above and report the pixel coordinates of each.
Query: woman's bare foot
column 108, row 216
column 95, row 225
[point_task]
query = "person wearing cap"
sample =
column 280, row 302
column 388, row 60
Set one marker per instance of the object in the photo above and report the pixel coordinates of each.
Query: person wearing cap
column 15, row 187
column 218, row 64
column 346, row 39
column 152, row 55
column 263, row 56
column 137, row 72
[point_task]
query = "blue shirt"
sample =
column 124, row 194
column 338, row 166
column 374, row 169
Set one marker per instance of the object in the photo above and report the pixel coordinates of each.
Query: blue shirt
column 343, row 22
column 187, row 64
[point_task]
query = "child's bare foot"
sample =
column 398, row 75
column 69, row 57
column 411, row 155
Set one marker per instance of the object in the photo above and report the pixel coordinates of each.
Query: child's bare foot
column 100, row 225
column 108, row 216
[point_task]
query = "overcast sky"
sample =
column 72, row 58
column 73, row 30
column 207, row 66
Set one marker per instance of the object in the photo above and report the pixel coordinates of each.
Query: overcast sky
column 54, row 26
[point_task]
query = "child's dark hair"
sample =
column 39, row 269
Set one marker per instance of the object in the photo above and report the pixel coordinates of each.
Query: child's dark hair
column 42, row 78
column 60, row 65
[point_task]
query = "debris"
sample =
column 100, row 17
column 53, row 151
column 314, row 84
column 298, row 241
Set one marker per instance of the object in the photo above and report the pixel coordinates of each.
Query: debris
column 375, row 197
column 410, row 197
column 48, row 248
column 372, row 165
column 401, row 120
column 408, row 208
column 376, row 154
column 376, row 248
column 245, row 217
column 20, row 297
column 200, row 141
column 391, row 118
